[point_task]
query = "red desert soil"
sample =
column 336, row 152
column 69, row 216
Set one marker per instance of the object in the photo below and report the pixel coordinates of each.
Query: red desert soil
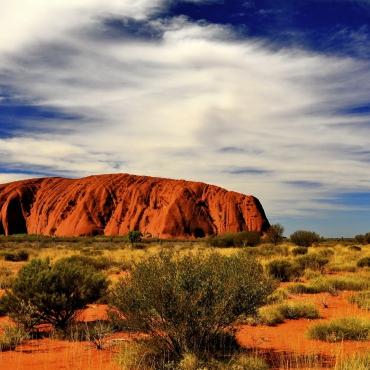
column 274, row 342
column 290, row 337
column 116, row 204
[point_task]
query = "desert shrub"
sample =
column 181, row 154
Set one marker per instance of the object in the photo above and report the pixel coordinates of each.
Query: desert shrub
column 337, row 330
column 361, row 299
column 355, row 248
column 188, row 302
column 304, row 238
column 355, row 362
column 299, row 251
column 284, row 270
column 275, row 234
column 244, row 238
column 364, row 262
column 45, row 293
column 18, row 256
column 134, row 236
column 276, row 314
column 11, row 337
column 363, row 239
column 312, row 261
column 270, row 250
column 6, row 277
column 326, row 252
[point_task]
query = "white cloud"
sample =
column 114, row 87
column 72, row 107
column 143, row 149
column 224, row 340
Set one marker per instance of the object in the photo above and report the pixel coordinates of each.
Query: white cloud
column 170, row 107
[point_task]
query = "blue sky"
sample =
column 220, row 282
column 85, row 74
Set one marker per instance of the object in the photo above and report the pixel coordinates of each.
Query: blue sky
column 264, row 97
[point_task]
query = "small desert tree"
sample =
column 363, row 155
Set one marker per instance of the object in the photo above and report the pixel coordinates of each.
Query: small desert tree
column 188, row 302
column 275, row 234
column 134, row 236
column 45, row 293
column 304, row 238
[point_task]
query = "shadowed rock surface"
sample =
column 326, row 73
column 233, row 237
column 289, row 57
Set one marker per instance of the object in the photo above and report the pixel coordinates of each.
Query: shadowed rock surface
column 116, row 204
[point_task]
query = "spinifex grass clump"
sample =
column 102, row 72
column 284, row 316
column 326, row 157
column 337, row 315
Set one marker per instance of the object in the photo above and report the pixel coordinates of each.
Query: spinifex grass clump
column 53, row 294
column 11, row 337
column 337, row 330
column 276, row 314
column 284, row 270
column 356, row 362
column 362, row 299
column 188, row 303
column 332, row 285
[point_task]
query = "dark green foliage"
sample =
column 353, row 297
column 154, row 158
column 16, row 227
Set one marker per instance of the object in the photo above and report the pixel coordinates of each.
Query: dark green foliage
column 284, row 270
column 45, row 293
column 299, row 251
column 275, row 234
column 188, row 302
column 242, row 239
column 312, row 261
column 304, row 238
column 364, row 262
column 134, row 236
column 363, row 239
column 21, row 255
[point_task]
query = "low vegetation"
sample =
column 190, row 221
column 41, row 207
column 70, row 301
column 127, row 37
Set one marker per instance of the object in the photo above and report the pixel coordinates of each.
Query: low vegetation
column 11, row 337
column 284, row 269
column 361, row 299
column 337, row 330
column 52, row 293
column 332, row 284
column 304, row 238
column 355, row 362
column 278, row 313
column 188, row 303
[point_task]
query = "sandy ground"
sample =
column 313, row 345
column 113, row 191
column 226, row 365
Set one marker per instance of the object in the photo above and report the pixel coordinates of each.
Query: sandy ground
column 281, row 344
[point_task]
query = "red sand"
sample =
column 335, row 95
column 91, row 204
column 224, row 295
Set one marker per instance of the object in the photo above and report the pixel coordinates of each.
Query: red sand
column 275, row 343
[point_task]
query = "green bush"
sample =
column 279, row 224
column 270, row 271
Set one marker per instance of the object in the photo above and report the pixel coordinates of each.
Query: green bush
column 16, row 256
column 364, row 262
column 275, row 234
column 45, row 293
column 241, row 239
column 11, row 337
column 276, row 314
column 188, row 302
column 299, row 251
column 304, row 238
column 363, row 239
column 134, row 236
column 312, row 261
column 349, row 328
column 361, row 299
column 284, row 270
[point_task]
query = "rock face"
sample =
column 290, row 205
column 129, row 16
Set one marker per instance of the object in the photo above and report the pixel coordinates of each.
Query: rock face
column 116, row 204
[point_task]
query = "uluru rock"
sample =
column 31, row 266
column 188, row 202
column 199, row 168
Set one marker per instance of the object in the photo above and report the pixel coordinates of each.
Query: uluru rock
column 115, row 204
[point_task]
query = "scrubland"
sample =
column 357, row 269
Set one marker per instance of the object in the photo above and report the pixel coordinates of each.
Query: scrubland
column 184, row 305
